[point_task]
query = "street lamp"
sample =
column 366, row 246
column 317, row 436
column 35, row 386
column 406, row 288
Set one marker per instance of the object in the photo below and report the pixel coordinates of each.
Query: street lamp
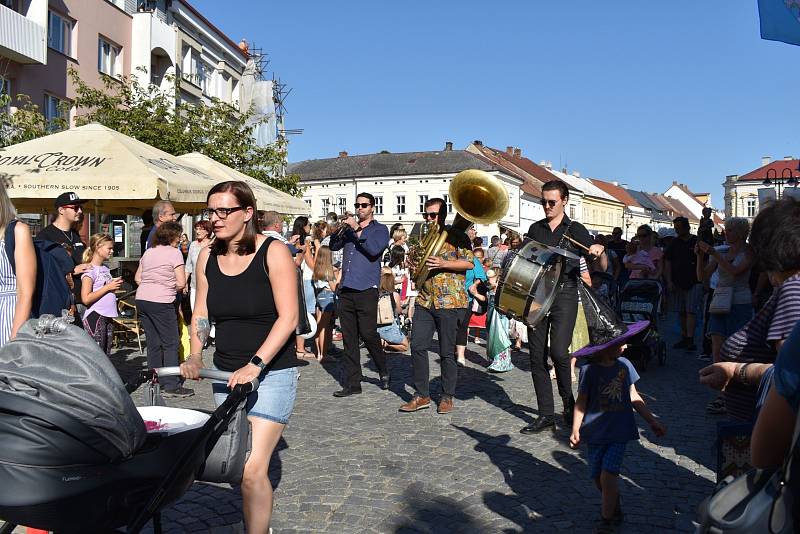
column 789, row 180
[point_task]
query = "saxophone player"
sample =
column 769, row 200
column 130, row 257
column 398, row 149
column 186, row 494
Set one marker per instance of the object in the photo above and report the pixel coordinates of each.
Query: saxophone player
column 441, row 302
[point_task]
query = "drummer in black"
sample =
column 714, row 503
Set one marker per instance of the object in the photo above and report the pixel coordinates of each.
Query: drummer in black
column 560, row 321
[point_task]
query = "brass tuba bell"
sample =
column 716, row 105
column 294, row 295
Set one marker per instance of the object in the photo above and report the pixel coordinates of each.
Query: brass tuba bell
column 478, row 197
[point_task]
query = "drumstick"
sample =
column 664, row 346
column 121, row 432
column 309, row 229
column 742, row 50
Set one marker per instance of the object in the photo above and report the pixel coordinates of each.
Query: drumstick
column 576, row 243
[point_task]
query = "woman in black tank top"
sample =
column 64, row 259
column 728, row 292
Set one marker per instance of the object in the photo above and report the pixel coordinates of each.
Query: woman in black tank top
column 247, row 285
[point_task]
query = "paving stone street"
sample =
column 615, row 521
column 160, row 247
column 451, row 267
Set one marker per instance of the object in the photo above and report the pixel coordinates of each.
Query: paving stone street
column 358, row 465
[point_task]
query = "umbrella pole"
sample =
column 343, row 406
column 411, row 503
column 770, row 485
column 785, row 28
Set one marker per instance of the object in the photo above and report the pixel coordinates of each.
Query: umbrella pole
column 96, row 219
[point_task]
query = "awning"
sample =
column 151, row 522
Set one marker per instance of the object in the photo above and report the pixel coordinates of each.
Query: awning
column 116, row 173
column 267, row 198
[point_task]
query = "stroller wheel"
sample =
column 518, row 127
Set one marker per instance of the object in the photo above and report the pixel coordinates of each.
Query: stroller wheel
column 662, row 352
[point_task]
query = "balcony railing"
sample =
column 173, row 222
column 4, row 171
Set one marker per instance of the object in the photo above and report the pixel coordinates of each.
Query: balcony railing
column 21, row 39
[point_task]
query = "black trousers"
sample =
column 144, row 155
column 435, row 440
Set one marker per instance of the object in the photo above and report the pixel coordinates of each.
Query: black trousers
column 160, row 323
column 559, row 324
column 445, row 323
column 358, row 313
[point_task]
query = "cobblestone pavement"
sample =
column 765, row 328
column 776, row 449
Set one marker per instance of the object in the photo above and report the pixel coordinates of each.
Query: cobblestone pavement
column 358, row 465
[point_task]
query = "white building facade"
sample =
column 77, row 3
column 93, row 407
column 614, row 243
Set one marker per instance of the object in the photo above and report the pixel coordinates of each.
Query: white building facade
column 746, row 194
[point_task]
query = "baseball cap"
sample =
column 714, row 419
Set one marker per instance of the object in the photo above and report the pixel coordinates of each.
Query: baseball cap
column 67, row 199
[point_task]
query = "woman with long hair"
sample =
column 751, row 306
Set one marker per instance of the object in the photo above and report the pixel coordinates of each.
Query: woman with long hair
column 325, row 278
column 247, row 284
column 16, row 290
column 303, row 241
column 97, row 291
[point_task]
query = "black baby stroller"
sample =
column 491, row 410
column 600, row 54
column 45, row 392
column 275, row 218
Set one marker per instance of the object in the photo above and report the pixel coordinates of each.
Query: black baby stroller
column 640, row 300
column 76, row 455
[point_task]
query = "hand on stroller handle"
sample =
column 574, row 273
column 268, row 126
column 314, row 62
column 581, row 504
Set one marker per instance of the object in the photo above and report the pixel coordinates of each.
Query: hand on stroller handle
column 213, row 374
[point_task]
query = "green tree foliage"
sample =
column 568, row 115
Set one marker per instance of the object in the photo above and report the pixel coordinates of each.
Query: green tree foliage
column 156, row 117
column 25, row 123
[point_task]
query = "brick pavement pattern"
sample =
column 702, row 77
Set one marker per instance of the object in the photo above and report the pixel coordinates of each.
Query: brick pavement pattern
column 358, row 465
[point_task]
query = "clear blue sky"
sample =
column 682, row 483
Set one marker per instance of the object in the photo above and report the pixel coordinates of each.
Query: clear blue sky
column 640, row 92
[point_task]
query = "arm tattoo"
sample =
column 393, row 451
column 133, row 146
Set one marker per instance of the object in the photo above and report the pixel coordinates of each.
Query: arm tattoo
column 202, row 328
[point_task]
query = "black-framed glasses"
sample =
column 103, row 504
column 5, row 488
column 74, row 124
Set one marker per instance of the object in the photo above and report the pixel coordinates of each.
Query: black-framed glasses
column 551, row 203
column 363, row 205
column 431, row 214
column 221, row 213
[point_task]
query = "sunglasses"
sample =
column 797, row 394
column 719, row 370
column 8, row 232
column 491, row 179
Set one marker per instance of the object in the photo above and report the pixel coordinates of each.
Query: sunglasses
column 75, row 207
column 431, row 214
column 551, row 203
column 362, row 205
column 221, row 213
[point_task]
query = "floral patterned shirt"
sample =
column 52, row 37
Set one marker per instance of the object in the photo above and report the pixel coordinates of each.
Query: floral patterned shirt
column 445, row 289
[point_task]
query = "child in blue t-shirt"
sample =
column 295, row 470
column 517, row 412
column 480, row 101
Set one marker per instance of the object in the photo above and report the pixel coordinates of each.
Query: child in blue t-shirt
column 604, row 419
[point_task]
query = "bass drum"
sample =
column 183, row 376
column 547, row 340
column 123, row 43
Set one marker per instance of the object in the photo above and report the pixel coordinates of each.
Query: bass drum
column 527, row 287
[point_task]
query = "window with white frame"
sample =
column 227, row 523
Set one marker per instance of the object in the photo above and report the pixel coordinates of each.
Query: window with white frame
column 341, row 204
column 400, row 200
column 448, row 203
column 204, row 77
column 190, row 64
column 308, row 203
column 59, row 33
column 422, row 200
column 54, row 109
column 109, row 58
column 572, row 212
column 750, row 207
column 378, row 205
column 326, row 206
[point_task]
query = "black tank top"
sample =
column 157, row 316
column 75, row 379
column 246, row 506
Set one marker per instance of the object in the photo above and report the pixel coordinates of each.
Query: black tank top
column 243, row 310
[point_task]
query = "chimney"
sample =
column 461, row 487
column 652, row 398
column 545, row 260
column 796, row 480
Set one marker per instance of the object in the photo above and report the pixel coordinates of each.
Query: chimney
column 343, row 154
column 674, row 182
column 765, row 160
column 576, row 174
column 616, row 183
column 510, row 150
column 448, row 146
column 787, row 158
column 477, row 142
column 517, row 152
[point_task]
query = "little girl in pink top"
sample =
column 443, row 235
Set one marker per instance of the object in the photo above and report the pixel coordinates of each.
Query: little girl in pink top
column 97, row 291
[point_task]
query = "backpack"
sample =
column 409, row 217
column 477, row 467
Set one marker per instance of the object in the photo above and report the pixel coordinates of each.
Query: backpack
column 52, row 293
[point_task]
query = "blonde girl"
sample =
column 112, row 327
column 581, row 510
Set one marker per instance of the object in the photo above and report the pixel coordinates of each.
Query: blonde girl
column 97, row 291
column 325, row 279
column 392, row 338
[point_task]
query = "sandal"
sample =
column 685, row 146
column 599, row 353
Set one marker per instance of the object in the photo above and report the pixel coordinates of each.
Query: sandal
column 305, row 355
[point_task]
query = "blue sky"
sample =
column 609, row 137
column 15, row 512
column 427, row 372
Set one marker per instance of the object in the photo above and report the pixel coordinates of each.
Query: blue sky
column 640, row 92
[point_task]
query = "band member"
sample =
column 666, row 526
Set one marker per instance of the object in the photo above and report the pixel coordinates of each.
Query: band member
column 363, row 240
column 560, row 322
column 441, row 303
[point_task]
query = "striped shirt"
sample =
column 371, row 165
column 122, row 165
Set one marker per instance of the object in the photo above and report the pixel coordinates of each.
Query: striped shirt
column 755, row 342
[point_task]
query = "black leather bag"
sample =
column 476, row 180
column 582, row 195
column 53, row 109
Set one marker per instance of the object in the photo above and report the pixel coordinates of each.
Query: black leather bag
column 303, row 325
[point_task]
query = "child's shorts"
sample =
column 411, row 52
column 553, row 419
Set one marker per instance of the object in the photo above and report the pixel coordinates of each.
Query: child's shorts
column 606, row 457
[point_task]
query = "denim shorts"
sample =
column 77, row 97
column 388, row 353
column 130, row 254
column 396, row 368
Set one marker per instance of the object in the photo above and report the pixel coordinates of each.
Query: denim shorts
column 391, row 333
column 607, row 457
column 325, row 300
column 274, row 398
column 727, row 324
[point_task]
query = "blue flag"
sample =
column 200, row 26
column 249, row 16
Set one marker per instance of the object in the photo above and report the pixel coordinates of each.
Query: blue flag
column 780, row 20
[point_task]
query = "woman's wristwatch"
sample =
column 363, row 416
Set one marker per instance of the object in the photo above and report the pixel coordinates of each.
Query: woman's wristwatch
column 258, row 362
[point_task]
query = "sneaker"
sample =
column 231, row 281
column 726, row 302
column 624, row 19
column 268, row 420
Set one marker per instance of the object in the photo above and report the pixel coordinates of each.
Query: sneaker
column 479, row 341
column 681, row 344
column 179, row 392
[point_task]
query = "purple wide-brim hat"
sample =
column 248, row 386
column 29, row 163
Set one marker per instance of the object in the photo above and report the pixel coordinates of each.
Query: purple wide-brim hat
column 632, row 330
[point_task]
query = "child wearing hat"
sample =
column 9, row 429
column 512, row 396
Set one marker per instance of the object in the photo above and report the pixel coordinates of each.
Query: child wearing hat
column 603, row 417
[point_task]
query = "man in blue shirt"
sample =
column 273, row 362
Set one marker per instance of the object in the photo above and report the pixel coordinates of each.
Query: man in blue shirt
column 363, row 240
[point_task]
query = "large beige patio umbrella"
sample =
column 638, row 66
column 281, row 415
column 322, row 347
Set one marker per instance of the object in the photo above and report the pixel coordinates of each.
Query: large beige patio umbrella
column 116, row 173
column 268, row 198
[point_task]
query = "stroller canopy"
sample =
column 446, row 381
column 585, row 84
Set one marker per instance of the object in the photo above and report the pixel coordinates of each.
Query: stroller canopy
column 67, row 372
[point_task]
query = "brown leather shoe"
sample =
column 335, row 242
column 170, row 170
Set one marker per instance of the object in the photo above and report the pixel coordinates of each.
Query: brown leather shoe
column 416, row 403
column 445, row 405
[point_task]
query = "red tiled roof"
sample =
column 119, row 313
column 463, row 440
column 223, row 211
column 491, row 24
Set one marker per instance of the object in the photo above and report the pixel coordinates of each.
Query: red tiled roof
column 777, row 169
column 675, row 206
column 616, row 192
column 531, row 183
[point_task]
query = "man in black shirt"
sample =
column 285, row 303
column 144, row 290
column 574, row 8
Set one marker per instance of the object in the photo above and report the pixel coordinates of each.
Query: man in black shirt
column 680, row 270
column 69, row 211
column 619, row 245
column 560, row 322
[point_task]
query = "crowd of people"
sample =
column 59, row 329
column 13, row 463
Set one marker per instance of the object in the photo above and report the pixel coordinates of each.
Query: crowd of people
column 246, row 282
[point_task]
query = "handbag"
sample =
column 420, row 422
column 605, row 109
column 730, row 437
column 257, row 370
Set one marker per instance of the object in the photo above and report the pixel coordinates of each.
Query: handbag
column 385, row 309
column 722, row 301
column 758, row 501
column 225, row 462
